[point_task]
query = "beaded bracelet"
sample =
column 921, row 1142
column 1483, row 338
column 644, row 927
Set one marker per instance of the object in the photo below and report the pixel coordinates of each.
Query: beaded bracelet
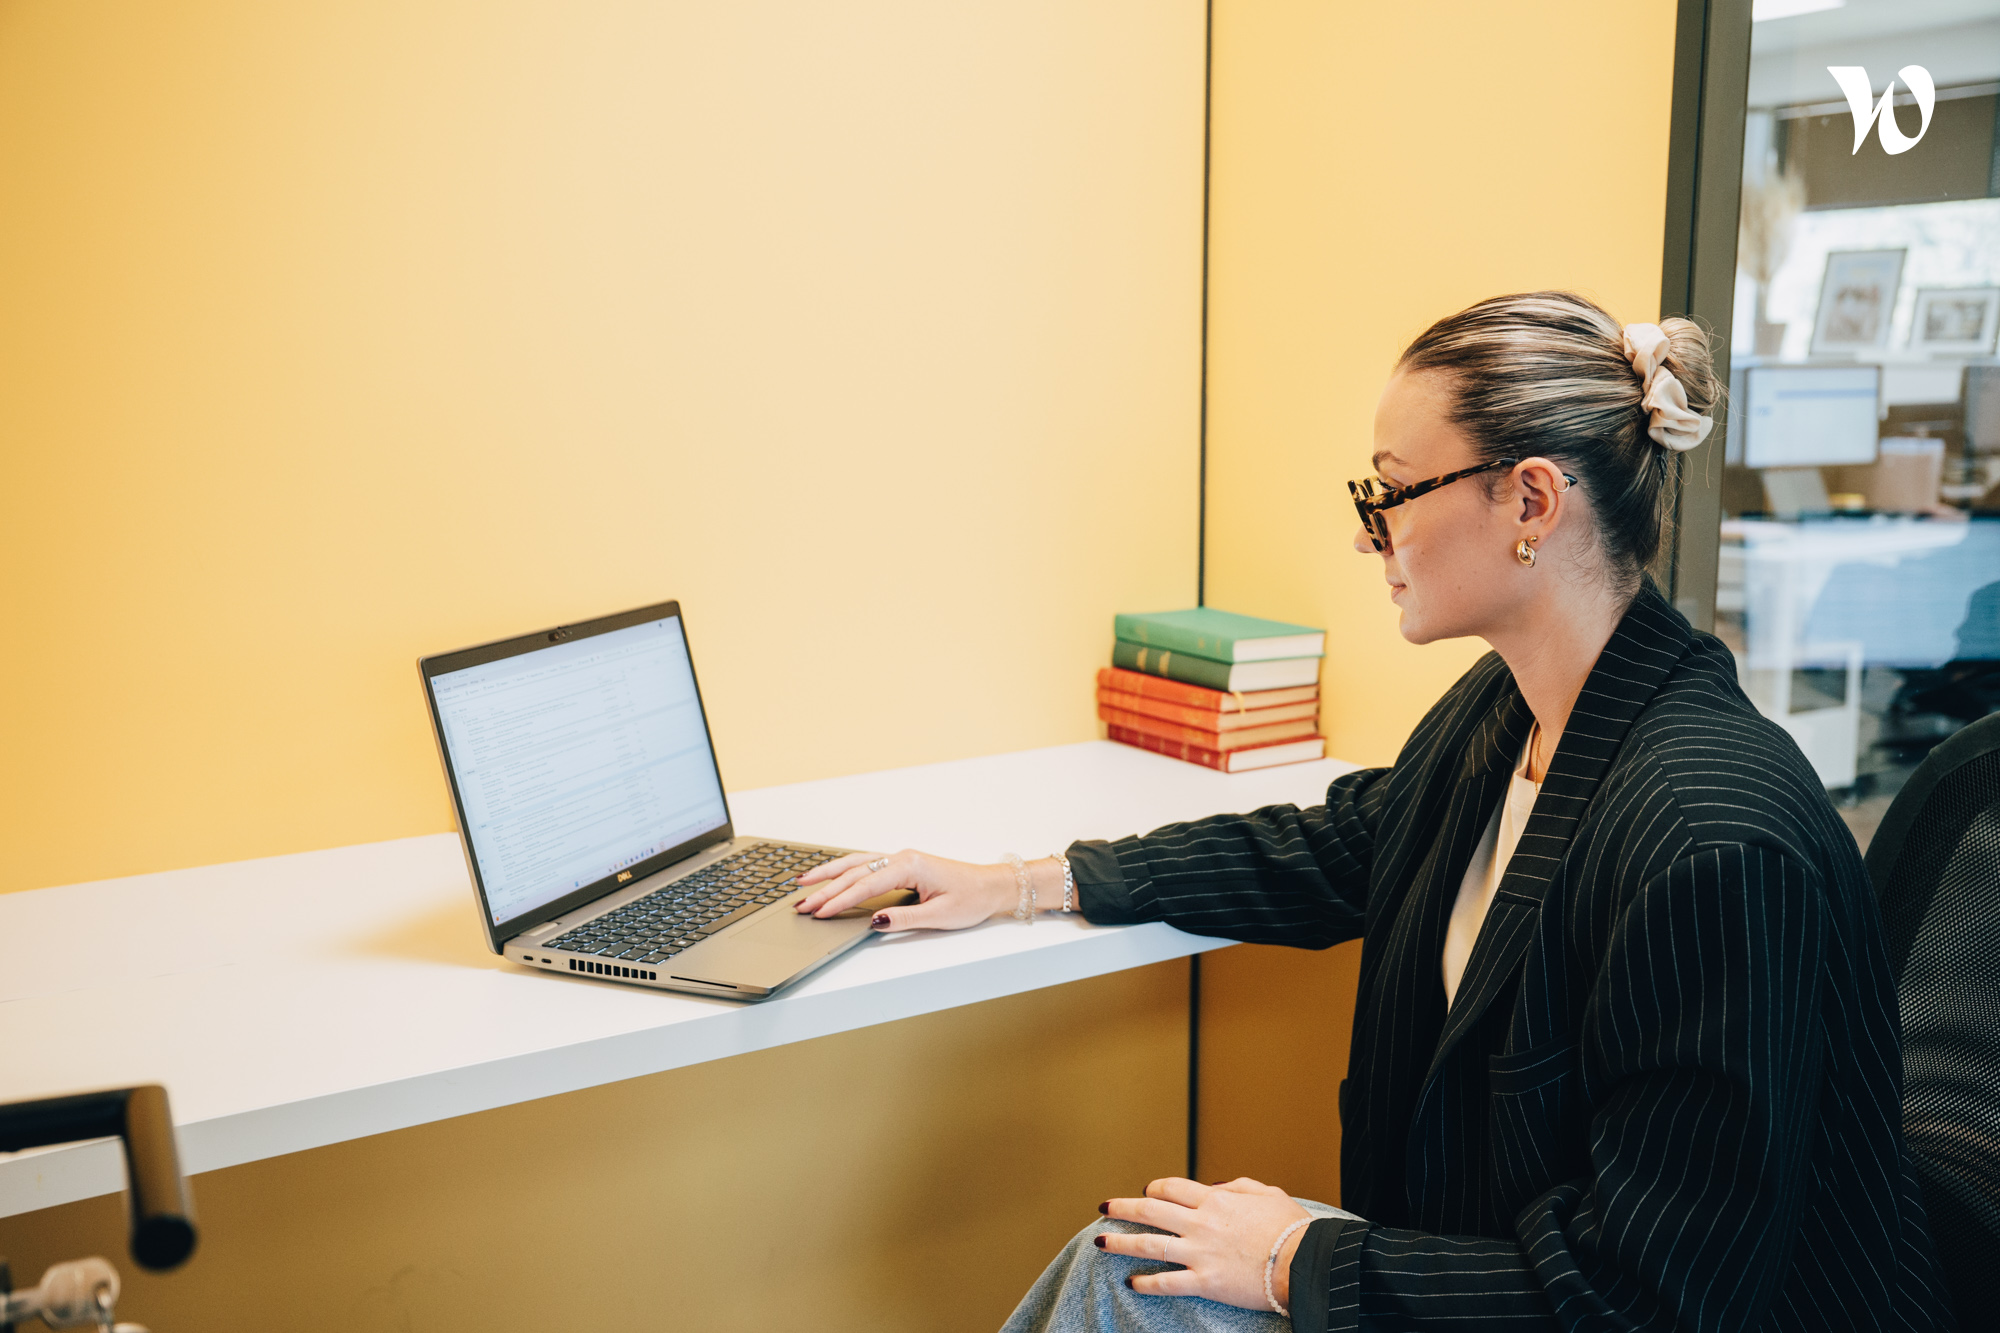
column 1069, row 882
column 1271, row 1261
column 1024, row 910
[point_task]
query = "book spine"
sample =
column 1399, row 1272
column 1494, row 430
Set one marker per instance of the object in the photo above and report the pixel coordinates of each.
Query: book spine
column 1209, row 740
column 1175, row 638
column 1154, row 726
column 1173, row 665
column 1206, row 719
column 1114, row 679
column 1120, row 681
column 1193, row 754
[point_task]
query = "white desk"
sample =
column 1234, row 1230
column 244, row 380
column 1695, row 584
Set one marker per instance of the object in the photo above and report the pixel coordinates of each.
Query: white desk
column 302, row 1000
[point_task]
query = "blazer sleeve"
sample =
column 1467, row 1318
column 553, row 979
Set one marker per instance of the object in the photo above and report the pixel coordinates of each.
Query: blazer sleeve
column 1701, row 1059
column 1279, row 875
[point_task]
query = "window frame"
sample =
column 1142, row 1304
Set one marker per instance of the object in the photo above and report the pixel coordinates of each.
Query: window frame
column 1698, row 264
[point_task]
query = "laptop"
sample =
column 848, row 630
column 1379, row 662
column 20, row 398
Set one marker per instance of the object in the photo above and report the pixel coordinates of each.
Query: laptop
column 594, row 821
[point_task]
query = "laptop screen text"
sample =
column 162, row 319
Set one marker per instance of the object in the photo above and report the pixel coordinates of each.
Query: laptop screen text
column 577, row 760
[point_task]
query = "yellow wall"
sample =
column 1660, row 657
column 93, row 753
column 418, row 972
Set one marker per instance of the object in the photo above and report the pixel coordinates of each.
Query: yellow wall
column 334, row 334
column 908, row 1178
column 1377, row 167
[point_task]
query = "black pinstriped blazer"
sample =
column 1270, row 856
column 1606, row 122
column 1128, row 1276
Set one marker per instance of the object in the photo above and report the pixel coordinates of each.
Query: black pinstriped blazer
column 1669, row 1092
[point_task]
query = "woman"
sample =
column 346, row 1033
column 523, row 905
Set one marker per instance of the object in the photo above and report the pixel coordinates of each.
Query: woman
column 1625, row 1048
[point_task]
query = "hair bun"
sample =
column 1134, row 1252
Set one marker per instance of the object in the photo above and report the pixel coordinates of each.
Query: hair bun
column 1673, row 424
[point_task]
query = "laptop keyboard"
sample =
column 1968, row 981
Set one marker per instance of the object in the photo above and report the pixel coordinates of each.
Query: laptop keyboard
column 686, row 912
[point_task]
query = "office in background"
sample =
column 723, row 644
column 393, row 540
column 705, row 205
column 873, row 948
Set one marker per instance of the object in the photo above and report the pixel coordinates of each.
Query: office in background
column 1860, row 496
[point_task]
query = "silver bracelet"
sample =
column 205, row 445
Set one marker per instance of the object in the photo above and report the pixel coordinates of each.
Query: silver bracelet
column 1069, row 882
column 1024, row 910
column 1271, row 1260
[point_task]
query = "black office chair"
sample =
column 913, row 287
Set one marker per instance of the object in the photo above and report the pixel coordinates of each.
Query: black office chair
column 1936, row 866
column 84, row 1292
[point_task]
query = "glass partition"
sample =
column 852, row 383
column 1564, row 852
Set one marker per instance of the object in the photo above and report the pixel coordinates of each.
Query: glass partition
column 1859, row 573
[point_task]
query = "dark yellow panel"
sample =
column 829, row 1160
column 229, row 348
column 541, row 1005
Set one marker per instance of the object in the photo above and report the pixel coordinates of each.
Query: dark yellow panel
column 1274, row 1032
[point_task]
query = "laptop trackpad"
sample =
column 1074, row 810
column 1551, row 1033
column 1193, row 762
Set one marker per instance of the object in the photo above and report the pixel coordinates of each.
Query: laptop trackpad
column 778, row 945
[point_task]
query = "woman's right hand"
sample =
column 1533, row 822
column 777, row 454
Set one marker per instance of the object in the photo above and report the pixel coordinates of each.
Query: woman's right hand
column 951, row 894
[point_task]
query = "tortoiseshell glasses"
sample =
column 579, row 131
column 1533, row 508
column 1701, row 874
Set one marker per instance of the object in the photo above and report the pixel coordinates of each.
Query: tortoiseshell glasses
column 1371, row 497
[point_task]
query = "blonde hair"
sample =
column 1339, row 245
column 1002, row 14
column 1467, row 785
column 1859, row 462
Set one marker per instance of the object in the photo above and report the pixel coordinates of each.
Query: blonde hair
column 1545, row 374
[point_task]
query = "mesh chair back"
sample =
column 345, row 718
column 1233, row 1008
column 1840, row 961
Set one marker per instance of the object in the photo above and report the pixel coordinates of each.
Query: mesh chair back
column 1936, row 866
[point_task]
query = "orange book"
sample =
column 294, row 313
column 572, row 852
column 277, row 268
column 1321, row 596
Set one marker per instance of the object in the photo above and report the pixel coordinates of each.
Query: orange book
column 1196, row 696
column 1208, row 740
column 1227, row 761
column 1207, row 719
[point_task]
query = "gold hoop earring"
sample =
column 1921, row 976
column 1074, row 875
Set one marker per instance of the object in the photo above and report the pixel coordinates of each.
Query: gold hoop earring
column 1524, row 551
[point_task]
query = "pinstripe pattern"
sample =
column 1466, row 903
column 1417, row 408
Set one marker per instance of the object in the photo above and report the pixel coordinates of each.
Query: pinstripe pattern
column 1668, row 1095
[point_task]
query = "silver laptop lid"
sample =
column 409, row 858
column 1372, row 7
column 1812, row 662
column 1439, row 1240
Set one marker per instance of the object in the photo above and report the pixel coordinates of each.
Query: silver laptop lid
column 579, row 760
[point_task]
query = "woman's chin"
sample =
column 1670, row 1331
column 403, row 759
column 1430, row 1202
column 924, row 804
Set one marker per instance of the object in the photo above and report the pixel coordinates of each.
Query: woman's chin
column 1415, row 627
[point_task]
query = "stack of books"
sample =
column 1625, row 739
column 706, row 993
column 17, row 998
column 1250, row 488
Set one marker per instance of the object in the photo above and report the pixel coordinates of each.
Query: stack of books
column 1225, row 691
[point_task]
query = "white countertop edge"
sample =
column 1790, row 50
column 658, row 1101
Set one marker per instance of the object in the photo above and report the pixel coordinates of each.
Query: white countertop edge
column 50, row 1177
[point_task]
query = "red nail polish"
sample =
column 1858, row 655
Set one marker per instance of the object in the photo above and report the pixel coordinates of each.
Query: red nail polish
column 1098, row 1242
column 1105, row 1207
column 881, row 921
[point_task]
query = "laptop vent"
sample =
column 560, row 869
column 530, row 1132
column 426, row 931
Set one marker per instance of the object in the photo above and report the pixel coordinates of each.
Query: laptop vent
column 612, row 970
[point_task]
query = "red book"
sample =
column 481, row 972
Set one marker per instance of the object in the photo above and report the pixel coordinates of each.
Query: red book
column 1227, row 761
column 1240, row 739
column 1206, row 719
column 1195, row 696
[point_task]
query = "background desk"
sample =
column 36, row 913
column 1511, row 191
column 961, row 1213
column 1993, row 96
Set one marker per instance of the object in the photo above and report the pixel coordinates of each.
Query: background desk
column 311, row 1000
column 1848, row 593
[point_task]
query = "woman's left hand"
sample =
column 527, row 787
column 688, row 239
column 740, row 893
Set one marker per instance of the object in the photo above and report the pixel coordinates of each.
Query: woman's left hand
column 1222, row 1235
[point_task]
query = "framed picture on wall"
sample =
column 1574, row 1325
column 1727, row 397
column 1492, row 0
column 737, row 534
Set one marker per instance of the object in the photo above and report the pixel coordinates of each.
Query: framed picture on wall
column 1857, row 297
column 1955, row 319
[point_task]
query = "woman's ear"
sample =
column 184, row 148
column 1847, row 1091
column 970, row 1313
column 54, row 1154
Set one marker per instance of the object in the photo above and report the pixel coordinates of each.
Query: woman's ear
column 1539, row 486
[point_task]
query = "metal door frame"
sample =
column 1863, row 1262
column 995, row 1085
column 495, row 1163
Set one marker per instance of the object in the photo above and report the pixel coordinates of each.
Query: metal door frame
column 1698, row 268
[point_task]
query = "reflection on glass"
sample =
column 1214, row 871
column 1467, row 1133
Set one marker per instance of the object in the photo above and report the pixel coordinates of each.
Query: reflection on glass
column 1860, row 572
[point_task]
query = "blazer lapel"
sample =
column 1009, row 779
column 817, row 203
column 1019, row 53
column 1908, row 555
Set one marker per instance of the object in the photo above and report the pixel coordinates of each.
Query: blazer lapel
column 1629, row 672
column 1478, row 781
column 1399, row 1005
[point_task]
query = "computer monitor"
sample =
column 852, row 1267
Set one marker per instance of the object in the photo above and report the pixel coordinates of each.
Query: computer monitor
column 1810, row 416
column 1982, row 409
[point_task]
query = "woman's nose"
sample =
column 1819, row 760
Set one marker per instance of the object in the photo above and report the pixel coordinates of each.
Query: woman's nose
column 1363, row 541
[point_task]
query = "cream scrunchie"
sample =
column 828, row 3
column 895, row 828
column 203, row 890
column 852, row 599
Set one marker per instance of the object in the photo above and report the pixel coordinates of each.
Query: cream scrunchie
column 1673, row 426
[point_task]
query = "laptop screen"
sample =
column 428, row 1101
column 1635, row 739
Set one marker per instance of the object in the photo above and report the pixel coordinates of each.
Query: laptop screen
column 577, row 760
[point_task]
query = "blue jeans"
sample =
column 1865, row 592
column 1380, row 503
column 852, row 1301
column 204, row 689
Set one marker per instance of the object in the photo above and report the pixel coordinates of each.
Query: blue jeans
column 1084, row 1291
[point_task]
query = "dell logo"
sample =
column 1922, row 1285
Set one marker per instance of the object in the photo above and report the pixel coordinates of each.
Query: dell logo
column 624, row 875
column 558, row 635
column 1853, row 81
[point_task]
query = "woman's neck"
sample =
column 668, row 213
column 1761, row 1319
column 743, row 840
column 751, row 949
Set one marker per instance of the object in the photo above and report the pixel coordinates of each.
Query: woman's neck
column 1551, row 645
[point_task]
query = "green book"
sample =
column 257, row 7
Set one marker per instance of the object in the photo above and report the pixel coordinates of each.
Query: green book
column 1221, row 636
column 1278, row 674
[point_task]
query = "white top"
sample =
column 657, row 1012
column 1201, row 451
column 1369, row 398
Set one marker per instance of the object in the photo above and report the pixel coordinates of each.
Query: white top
column 297, row 1001
column 1489, row 863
